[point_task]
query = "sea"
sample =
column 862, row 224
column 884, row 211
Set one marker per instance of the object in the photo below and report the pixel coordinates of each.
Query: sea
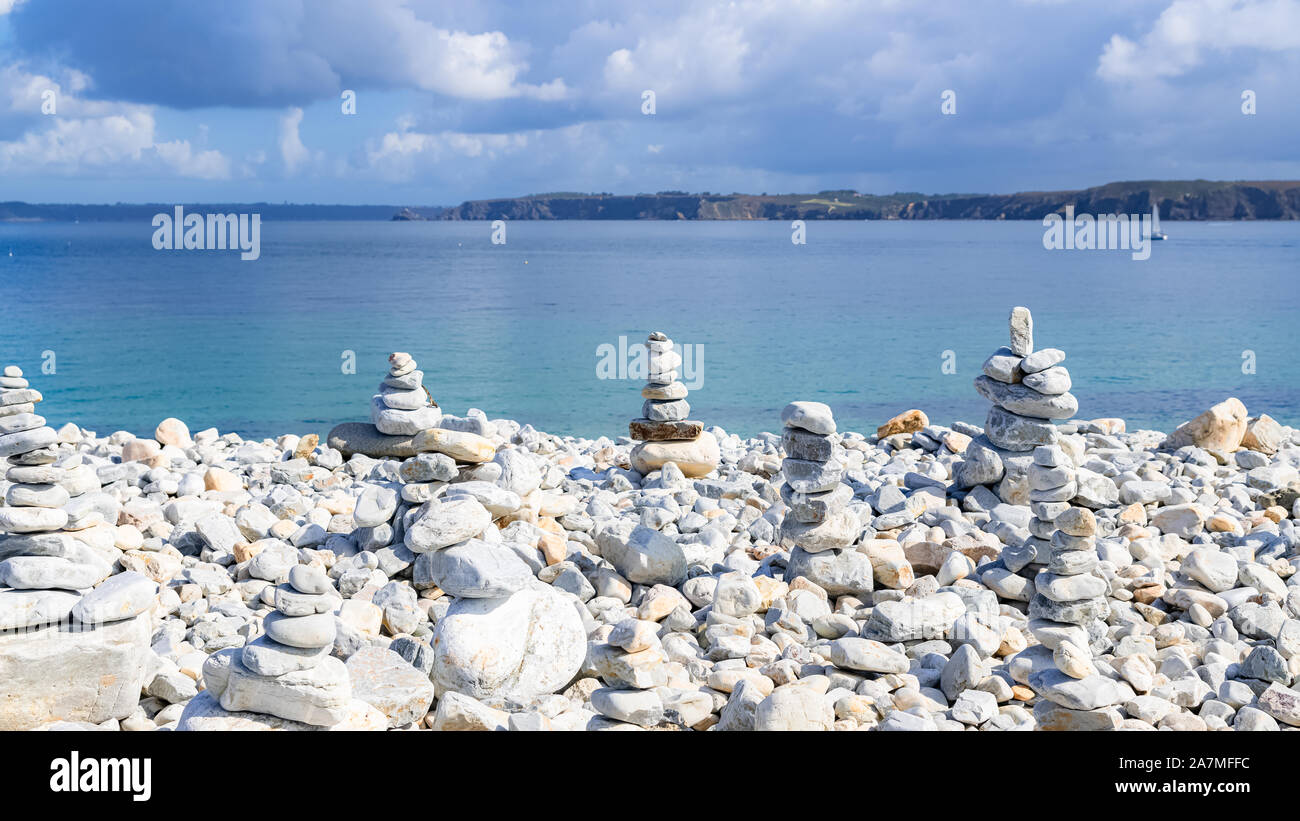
column 870, row 317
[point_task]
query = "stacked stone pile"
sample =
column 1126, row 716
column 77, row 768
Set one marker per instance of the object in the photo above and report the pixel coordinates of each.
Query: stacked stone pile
column 405, row 422
column 1053, row 482
column 504, row 637
column 1068, row 617
column 38, row 554
column 818, row 529
column 403, row 406
column 72, row 639
column 1028, row 390
column 289, row 672
column 663, row 429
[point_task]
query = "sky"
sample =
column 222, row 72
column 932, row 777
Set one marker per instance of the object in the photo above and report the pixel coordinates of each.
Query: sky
column 245, row 100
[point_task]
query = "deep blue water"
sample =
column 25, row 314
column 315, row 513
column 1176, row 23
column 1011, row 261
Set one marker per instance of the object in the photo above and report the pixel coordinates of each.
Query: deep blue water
column 859, row 317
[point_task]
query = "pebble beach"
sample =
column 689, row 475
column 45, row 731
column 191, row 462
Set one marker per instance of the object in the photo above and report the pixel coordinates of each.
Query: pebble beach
column 414, row 569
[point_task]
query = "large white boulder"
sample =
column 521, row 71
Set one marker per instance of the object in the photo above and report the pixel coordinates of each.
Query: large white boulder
column 65, row 672
column 528, row 644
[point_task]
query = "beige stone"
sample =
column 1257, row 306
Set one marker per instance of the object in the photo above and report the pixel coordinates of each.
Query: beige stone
column 306, row 445
column 1110, row 425
column 172, row 431
column 365, row 617
column 245, row 551
column 1219, row 429
column 1133, row 514
column 889, row 564
column 1221, row 523
column 459, row 445
column 956, row 442
column 909, row 421
column 926, row 557
column 696, row 458
column 770, row 589
column 1263, row 434
column 140, row 450
column 220, row 479
column 1072, row 661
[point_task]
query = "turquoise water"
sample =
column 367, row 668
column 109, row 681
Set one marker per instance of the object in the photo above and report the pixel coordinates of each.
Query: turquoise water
column 859, row 318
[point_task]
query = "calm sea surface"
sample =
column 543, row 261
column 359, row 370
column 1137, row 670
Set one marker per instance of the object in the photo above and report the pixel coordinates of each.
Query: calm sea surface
column 860, row 318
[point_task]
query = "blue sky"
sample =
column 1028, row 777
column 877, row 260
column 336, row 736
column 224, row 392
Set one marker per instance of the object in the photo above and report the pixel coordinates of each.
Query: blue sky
column 240, row 100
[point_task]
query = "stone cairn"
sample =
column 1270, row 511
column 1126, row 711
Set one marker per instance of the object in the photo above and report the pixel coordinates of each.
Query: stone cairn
column 73, row 637
column 43, row 567
column 814, row 490
column 1028, row 390
column 406, row 422
column 403, row 406
column 288, row 672
column 663, row 430
column 1022, row 447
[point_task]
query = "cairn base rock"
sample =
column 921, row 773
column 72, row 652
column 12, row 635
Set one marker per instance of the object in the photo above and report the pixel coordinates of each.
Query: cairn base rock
column 696, row 458
column 70, row 673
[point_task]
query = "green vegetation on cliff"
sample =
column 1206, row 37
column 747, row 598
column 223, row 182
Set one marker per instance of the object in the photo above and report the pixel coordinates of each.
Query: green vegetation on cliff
column 1178, row 200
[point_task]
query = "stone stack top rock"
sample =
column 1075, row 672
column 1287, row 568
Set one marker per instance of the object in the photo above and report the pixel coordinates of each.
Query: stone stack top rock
column 403, row 406
column 1028, row 389
column 665, row 433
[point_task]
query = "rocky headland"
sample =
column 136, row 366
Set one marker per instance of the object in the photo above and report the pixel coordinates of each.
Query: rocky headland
column 1176, row 199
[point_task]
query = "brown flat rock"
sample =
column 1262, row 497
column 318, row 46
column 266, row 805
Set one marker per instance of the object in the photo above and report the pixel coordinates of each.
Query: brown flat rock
column 646, row 430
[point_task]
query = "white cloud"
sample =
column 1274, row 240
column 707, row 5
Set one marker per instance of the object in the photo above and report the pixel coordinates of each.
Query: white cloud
column 1187, row 29
column 292, row 151
column 24, row 93
column 91, row 135
column 186, row 162
column 397, row 154
column 702, row 53
column 385, row 43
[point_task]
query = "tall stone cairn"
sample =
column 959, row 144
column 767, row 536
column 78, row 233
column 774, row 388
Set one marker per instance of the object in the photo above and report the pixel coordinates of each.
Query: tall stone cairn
column 663, row 429
column 1029, row 390
column 42, row 565
column 74, row 638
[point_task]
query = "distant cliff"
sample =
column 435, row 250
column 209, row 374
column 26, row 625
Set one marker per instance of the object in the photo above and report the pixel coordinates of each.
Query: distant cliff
column 1178, row 200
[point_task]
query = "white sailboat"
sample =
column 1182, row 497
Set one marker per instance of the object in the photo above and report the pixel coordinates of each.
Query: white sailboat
column 1156, row 233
